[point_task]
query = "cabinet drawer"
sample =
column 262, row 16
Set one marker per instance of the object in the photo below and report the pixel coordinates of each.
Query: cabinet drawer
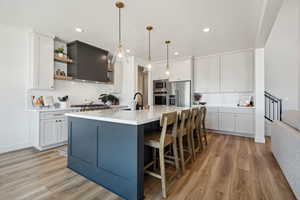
column 227, row 110
column 51, row 115
column 212, row 109
column 245, row 110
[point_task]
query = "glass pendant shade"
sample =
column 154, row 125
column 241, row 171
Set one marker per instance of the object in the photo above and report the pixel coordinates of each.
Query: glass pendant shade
column 168, row 66
column 119, row 55
column 149, row 65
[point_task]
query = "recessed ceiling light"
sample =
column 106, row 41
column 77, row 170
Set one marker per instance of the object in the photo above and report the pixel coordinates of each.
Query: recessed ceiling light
column 206, row 30
column 127, row 50
column 79, row 30
column 176, row 53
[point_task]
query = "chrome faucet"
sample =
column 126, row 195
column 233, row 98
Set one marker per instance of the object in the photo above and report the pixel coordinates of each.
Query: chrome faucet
column 138, row 106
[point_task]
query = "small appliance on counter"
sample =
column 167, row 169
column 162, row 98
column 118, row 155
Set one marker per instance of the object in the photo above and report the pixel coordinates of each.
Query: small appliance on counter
column 63, row 101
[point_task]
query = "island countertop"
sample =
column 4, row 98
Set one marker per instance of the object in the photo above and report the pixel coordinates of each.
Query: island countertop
column 132, row 117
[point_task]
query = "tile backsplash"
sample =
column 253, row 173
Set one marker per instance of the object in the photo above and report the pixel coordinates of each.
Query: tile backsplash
column 78, row 92
column 224, row 98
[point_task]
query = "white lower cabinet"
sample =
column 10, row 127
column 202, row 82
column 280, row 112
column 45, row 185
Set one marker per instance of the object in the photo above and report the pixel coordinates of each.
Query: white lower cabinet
column 232, row 120
column 244, row 123
column 227, row 122
column 212, row 120
column 48, row 129
column 48, row 132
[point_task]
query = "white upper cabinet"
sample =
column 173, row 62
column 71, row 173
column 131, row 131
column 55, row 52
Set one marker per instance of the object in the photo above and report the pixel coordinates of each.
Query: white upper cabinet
column 181, row 70
column 41, row 62
column 207, row 74
column 237, row 72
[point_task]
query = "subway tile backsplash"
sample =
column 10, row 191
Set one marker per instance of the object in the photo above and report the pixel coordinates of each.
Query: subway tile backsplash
column 223, row 98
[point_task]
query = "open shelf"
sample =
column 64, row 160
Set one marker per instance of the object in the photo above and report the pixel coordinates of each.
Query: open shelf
column 63, row 60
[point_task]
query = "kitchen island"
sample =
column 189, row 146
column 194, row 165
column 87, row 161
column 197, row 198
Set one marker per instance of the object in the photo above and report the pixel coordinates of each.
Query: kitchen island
column 107, row 147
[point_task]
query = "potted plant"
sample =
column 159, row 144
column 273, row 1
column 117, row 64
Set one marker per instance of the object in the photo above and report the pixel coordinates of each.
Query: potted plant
column 109, row 99
column 60, row 52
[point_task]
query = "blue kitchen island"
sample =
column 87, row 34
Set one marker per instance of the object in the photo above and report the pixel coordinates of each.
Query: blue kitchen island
column 107, row 147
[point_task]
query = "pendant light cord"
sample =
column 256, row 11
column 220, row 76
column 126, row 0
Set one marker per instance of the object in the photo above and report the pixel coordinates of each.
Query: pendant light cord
column 167, row 56
column 149, row 56
column 120, row 27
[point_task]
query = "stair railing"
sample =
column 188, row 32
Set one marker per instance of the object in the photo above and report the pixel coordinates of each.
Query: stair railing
column 273, row 107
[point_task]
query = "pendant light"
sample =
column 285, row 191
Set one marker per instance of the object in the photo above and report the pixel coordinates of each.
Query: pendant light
column 120, row 53
column 149, row 66
column 167, row 66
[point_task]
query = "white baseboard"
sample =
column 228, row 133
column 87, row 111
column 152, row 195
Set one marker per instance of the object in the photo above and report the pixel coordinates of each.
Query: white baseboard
column 232, row 133
column 14, row 147
column 260, row 140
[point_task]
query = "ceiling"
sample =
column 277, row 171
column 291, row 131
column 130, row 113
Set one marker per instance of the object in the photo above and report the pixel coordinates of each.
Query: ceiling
column 233, row 23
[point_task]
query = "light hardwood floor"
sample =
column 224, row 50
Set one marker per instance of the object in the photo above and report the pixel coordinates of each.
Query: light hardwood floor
column 229, row 168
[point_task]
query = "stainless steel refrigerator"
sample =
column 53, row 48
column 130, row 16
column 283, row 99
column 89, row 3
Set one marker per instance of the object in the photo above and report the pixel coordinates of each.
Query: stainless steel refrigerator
column 180, row 94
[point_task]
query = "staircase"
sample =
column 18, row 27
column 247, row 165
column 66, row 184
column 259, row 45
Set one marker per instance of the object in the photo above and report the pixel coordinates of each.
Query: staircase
column 273, row 111
column 273, row 107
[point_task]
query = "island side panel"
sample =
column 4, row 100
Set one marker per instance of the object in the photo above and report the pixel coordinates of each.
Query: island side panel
column 110, row 154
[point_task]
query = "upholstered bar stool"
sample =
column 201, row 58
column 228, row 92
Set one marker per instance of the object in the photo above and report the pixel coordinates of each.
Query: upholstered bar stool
column 184, row 133
column 161, row 140
column 204, row 130
column 195, row 131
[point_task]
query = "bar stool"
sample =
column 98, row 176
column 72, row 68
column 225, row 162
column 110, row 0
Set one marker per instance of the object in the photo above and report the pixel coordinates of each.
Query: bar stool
column 161, row 140
column 195, row 131
column 183, row 132
column 204, row 130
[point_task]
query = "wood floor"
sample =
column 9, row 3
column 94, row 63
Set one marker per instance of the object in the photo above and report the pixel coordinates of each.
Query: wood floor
column 229, row 168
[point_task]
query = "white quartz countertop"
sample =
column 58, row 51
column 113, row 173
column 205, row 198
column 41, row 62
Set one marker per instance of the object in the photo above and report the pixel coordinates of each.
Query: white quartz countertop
column 52, row 109
column 224, row 106
column 136, row 117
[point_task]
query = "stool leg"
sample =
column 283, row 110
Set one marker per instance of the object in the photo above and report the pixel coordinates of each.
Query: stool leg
column 154, row 159
column 181, row 152
column 162, row 172
column 193, row 143
column 199, row 139
column 204, row 131
column 175, row 152
column 189, row 145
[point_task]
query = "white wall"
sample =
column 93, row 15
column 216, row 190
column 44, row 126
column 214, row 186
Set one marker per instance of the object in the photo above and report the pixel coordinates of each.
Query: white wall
column 259, row 96
column 282, row 56
column 13, row 71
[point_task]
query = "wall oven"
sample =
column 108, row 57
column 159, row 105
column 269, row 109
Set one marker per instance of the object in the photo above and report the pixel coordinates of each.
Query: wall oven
column 160, row 99
column 161, row 92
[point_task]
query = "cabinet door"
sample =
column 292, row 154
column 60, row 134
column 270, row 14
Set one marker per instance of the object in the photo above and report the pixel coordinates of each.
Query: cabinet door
column 244, row 123
column 42, row 62
column 237, row 72
column 48, row 132
column 207, row 74
column 181, row 70
column 227, row 121
column 245, row 71
column 46, row 66
column 212, row 120
column 61, row 129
